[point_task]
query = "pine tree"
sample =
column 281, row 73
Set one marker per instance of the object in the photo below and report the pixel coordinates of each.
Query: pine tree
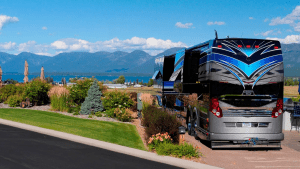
column 92, row 102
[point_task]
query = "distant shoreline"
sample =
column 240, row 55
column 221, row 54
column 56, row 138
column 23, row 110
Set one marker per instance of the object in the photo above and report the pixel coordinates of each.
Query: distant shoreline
column 80, row 74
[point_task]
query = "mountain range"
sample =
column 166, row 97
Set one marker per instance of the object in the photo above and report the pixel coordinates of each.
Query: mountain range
column 137, row 61
column 83, row 62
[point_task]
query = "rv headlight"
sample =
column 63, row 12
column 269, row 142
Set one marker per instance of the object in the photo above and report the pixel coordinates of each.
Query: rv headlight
column 218, row 113
column 276, row 114
column 214, row 110
column 279, row 111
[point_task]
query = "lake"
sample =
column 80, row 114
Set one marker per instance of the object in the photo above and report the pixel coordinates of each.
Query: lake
column 57, row 78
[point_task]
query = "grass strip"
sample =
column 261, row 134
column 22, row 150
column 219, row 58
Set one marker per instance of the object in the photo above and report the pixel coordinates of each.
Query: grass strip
column 112, row 132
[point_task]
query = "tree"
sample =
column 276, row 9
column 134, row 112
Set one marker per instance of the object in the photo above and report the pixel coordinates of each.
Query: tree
column 49, row 79
column 121, row 79
column 289, row 82
column 150, row 82
column 93, row 101
column 10, row 81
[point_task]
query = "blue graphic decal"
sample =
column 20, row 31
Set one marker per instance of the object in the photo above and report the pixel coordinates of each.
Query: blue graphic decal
column 245, row 68
column 261, row 75
column 248, row 52
column 227, row 48
column 203, row 60
column 179, row 65
column 235, row 75
column 168, row 84
column 268, row 49
column 178, row 55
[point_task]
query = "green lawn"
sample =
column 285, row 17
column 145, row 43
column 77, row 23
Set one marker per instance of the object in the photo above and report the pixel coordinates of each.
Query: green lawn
column 112, row 132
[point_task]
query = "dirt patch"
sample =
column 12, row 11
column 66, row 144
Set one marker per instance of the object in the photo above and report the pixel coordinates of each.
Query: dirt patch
column 141, row 131
column 291, row 91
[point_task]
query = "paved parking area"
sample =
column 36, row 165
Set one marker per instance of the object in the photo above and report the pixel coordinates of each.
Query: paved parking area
column 292, row 140
column 287, row 157
column 26, row 146
column 30, row 150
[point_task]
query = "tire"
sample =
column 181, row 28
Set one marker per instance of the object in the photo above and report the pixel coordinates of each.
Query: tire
column 189, row 126
column 195, row 122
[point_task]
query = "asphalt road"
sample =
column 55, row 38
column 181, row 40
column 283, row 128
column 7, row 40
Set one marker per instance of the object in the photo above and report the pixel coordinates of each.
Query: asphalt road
column 22, row 149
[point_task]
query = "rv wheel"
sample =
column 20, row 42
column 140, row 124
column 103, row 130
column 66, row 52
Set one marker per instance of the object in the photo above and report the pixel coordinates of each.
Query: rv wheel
column 191, row 128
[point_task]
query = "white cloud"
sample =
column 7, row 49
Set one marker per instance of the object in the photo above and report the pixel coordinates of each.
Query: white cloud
column 215, row 23
column 7, row 46
column 44, row 28
column 251, row 18
column 7, row 19
column 266, row 20
column 45, row 54
column 59, row 45
column 289, row 19
column 288, row 39
column 266, row 33
column 150, row 45
column 33, row 47
column 181, row 25
column 269, row 32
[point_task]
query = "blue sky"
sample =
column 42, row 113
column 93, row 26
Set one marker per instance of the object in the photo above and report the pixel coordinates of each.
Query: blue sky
column 52, row 27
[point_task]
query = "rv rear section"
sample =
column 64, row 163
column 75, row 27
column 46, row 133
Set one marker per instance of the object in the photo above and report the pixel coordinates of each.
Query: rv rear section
column 239, row 87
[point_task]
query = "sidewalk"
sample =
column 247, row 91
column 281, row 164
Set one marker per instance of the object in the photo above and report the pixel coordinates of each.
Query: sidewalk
column 109, row 146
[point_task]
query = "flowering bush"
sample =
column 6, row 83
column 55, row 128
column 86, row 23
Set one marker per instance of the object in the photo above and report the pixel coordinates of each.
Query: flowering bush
column 157, row 139
column 158, row 121
column 117, row 99
column 122, row 114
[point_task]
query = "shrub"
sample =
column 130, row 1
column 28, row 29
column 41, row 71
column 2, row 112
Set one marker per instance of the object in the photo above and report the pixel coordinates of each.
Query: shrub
column 158, row 121
column 60, row 102
column 10, row 90
column 295, row 99
column 157, row 139
column 146, row 97
column 76, row 113
column 58, row 90
column 181, row 150
column 99, row 114
column 78, row 91
column 133, row 97
column 93, row 101
column 37, row 91
column 14, row 100
column 110, row 113
column 122, row 115
column 117, row 99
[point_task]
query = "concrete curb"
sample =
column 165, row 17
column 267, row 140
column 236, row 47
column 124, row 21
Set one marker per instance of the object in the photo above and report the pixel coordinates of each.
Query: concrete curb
column 109, row 146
